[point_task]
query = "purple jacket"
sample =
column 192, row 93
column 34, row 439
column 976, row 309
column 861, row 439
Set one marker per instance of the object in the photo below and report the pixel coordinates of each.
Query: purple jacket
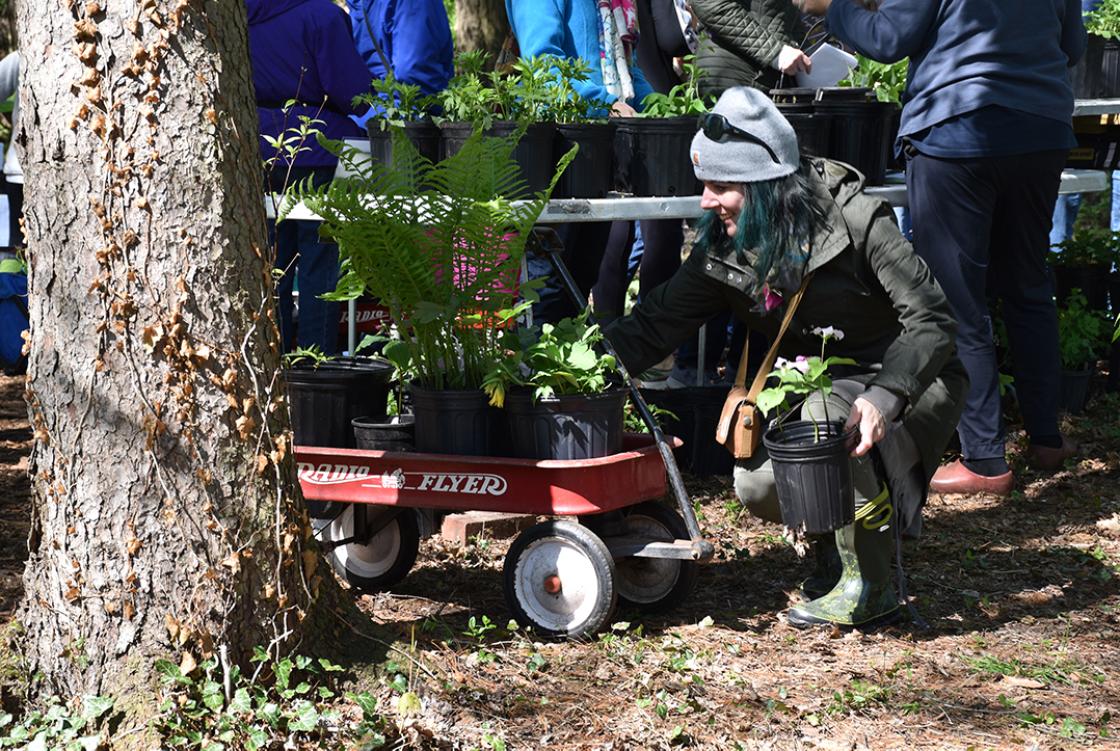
column 302, row 50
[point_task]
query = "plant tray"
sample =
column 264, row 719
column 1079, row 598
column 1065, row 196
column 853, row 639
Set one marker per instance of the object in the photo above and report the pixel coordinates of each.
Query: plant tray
column 477, row 483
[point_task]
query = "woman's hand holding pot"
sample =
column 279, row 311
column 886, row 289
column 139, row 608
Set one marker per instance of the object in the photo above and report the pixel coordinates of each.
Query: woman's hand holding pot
column 872, row 426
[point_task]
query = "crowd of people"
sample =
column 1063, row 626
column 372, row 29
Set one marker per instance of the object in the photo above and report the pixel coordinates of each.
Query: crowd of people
column 985, row 132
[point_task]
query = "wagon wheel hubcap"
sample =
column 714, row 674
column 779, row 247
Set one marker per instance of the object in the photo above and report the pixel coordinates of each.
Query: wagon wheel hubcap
column 372, row 559
column 646, row 580
column 556, row 584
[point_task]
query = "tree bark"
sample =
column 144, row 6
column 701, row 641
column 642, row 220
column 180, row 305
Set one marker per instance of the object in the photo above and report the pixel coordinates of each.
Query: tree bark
column 480, row 25
column 165, row 517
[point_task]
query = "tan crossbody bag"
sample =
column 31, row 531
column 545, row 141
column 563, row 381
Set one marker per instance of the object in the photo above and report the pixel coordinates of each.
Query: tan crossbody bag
column 740, row 423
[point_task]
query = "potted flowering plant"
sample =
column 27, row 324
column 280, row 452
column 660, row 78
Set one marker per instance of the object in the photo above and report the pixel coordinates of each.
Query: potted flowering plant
column 560, row 392
column 809, row 456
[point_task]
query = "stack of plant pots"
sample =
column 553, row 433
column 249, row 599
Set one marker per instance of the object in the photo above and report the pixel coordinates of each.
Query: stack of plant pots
column 846, row 124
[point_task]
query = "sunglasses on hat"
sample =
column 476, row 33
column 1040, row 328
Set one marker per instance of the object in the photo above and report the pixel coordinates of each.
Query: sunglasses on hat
column 718, row 128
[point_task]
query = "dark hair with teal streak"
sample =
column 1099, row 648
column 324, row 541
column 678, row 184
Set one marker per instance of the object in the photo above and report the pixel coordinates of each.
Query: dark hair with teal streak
column 778, row 218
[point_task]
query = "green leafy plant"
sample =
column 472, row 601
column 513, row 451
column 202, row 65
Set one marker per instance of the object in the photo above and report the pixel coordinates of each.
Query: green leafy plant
column 1090, row 245
column 66, row 728
column 803, row 376
column 556, row 360
column 886, row 80
column 286, row 703
column 311, row 356
column 1081, row 332
column 633, row 422
column 682, row 100
column 440, row 245
column 396, row 103
column 1104, row 20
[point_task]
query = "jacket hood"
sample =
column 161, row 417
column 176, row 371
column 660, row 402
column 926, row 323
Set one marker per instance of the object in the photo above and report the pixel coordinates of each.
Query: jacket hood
column 263, row 10
column 835, row 184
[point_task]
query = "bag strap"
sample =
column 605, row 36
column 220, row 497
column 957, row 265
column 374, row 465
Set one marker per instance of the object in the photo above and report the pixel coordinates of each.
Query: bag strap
column 772, row 354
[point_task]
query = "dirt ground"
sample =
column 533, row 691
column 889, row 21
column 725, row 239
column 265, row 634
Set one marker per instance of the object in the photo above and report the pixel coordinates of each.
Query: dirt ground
column 1022, row 597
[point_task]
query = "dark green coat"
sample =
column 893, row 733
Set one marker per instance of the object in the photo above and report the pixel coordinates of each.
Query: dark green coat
column 869, row 283
column 741, row 39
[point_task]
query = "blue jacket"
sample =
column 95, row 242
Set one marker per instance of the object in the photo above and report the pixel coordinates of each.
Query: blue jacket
column 569, row 29
column 301, row 50
column 969, row 54
column 414, row 35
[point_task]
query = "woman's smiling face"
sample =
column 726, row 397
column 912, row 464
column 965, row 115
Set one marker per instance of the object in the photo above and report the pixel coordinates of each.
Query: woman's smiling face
column 726, row 199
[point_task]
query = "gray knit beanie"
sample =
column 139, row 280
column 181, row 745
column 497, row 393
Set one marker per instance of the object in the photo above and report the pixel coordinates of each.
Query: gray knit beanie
column 737, row 160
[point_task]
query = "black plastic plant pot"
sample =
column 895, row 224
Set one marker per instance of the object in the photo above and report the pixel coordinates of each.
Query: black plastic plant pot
column 1092, row 280
column 1087, row 76
column 813, row 474
column 533, row 152
column 451, row 421
column 812, row 129
column 857, row 129
column 425, row 136
column 1110, row 69
column 325, row 399
column 590, row 174
column 397, row 433
column 651, row 156
column 565, row 427
column 1074, row 390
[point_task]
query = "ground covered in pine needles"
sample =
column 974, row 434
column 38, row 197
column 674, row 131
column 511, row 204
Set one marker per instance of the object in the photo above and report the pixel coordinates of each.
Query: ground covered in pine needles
column 1022, row 598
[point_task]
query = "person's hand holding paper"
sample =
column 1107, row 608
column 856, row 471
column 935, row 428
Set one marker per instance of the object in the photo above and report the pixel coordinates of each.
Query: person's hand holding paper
column 830, row 66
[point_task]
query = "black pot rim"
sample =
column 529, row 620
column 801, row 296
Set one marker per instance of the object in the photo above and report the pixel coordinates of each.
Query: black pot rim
column 773, row 435
column 402, row 421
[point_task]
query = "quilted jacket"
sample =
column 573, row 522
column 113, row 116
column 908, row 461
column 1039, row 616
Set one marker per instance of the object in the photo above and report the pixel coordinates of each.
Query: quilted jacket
column 742, row 38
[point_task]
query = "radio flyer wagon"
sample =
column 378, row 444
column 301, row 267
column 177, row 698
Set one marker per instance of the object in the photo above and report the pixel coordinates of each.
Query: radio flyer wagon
column 563, row 577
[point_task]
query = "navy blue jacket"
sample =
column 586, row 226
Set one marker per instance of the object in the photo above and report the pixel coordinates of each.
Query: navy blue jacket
column 301, row 50
column 969, row 54
column 414, row 35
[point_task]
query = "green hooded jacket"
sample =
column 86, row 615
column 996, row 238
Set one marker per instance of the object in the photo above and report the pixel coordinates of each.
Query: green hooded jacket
column 869, row 283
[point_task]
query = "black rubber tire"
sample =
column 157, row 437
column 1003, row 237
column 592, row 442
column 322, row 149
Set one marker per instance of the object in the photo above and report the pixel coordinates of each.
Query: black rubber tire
column 655, row 585
column 586, row 599
column 385, row 560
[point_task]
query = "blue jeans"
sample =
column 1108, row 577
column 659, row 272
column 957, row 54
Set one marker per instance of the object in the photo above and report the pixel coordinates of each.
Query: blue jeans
column 1065, row 214
column 313, row 265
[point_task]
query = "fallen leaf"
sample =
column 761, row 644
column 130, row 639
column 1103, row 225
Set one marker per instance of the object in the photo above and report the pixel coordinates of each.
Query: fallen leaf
column 187, row 664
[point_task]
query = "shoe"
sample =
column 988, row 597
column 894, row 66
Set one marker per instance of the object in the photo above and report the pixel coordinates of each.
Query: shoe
column 827, row 569
column 957, row 478
column 864, row 596
column 1050, row 459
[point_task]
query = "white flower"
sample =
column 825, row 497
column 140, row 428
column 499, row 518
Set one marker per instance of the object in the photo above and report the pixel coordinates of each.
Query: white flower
column 829, row 332
column 801, row 363
column 782, row 363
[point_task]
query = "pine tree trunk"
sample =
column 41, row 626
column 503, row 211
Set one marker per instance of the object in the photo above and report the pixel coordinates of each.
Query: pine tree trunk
column 480, row 25
column 164, row 520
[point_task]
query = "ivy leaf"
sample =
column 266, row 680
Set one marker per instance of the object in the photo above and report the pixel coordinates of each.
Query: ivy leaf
column 306, row 717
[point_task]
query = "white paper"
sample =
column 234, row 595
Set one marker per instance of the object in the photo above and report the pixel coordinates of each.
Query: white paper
column 830, row 66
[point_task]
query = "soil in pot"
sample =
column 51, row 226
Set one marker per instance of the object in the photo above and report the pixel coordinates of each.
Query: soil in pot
column 451, row 421
column 395, row 433
column 1091, row 280
column 1074, row 391
column 565, row 427
column 425, row 136
column 651, row 156
column 325, row 399
column 591, row 172
column 533, row 152
column 813, row 473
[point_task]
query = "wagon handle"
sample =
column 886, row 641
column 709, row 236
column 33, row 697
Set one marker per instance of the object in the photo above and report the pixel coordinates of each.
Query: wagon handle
column 549, row 242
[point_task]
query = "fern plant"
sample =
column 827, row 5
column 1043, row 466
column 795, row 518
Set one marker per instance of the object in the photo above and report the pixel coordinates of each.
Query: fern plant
column 438, row 244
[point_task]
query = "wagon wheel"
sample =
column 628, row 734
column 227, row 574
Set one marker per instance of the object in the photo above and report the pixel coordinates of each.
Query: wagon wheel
column 382, row 561
column 559, row 579
column 654, row 584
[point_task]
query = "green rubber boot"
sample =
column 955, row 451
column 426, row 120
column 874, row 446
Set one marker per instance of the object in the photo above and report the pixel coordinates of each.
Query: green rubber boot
column 864, row 595
column 826, row 570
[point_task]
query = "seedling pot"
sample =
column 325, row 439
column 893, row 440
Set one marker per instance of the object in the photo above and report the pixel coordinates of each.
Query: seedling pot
column 1074, row 390
column 533, row 152
column 814, row 478
column 396, row 433
column 651, row 156
column 565, row 427
column 451, row 421
column 325, row 399
column 424, row 135
column 589, row 174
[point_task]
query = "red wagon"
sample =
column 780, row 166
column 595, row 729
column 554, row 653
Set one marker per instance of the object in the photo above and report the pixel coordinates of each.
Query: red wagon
column 563, row 577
